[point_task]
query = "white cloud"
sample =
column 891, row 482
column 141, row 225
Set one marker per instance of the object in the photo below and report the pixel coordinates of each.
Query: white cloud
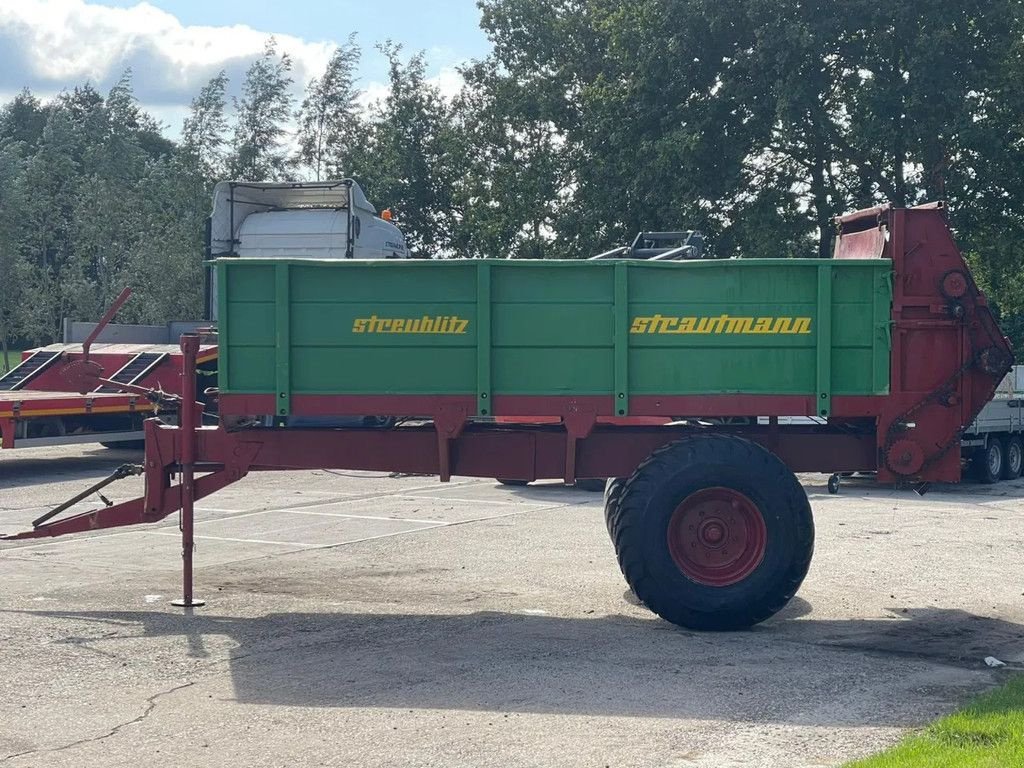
column 52, row 45
column 49, row 45
column 449, row 81
column 371, row 93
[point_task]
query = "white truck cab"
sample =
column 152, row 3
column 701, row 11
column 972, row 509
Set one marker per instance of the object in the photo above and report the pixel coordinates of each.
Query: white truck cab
column 297, row 220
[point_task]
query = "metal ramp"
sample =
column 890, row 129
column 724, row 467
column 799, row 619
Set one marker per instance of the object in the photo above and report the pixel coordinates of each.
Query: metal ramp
column 22, row 374
column 135, row 370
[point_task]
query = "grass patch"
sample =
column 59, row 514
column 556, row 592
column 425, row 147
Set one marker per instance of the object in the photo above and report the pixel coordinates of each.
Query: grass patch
column 987, row 733
column 13, row 358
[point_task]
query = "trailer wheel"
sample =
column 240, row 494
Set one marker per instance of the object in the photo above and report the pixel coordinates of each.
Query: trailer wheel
column 1013, row 455
column 989, row 462
column 380, row 422
column 713, row 532
column 612, row 494
column 50, row 426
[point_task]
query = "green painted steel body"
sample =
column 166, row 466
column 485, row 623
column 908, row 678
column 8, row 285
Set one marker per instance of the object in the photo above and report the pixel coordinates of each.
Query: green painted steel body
column 554, row 328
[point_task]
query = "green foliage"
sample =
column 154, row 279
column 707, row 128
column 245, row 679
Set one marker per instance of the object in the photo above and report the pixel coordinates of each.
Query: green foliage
column 407, row 156
column 989, row 732
column 755, row 121
column 204, row 130
column 94, row 200
column 329, row 126
column 258, row 153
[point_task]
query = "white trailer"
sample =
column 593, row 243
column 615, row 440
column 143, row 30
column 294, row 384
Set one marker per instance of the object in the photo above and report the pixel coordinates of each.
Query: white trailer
column 994, row 443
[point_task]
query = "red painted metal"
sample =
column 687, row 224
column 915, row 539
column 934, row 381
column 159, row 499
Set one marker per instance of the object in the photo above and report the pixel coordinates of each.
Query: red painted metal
column 28, row 402
column 189, row 421
column 717, row 536
column 948, row 354
column 525, row 406
column 480, row 450
column 66, row 388
column 105, row 320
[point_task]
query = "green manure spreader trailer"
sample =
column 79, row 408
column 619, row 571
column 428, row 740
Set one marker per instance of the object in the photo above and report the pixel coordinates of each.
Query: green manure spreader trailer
column 890, row 345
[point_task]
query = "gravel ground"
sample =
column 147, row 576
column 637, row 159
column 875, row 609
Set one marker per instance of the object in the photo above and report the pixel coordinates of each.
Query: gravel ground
column 360, row 619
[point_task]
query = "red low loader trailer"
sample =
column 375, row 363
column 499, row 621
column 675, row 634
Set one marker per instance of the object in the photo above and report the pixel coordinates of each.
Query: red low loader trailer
column 41, row 405
column 890, row 344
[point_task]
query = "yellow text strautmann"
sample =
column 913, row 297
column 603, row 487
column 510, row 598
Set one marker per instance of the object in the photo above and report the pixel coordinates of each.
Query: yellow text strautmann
column 721, row 324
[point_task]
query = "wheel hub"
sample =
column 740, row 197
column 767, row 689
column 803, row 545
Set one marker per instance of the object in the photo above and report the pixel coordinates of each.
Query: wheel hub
column 995, row 461
column 717, row 536
column 712, row 533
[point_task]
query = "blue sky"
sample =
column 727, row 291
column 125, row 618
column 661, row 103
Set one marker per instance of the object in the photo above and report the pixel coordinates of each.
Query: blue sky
column 448, row 30
column 173, row 47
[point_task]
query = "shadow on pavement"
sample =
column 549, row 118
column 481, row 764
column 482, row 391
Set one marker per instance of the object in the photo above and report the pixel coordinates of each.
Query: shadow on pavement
column 22, row 469
column 834, row 672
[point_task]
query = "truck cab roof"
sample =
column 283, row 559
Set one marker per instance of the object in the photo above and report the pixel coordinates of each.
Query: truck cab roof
column 235, row 201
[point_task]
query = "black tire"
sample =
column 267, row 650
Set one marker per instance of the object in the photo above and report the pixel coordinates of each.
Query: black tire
column 50, row 426
column 766, row 511
column 379, row 422
column 509, row 481
column 989, row 461
column 833, row 484
column 612, row 492
column 1013, row 457
column 591, row 484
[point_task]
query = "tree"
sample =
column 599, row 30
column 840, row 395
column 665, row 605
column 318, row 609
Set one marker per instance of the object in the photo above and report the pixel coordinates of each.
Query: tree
column 23, row 120
column 13, row 267
column 204, row 130
column 329, row 125
column 261, row 118
column 408, row 160
column 751, row 120
column 508, row 196
column 650, row 137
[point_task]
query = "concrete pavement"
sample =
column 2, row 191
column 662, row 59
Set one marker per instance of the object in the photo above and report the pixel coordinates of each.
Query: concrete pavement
column 366, row 620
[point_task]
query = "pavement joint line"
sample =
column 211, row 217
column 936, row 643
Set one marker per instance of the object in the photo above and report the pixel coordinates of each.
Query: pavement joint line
column 352, row 500
column 308, row 547
column 335, row 545
column 345, row 498
column 167, row 530
column 418, row 530
column 227, row 519
column 89, row 566
column 78, row 539
column 240, row 541
column 431, row 523
column 361, row 517
column 468, row 501
column 59, row 540
column 338, row 544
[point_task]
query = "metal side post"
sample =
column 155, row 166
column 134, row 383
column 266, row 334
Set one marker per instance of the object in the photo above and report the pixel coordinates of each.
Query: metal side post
column 187, row 425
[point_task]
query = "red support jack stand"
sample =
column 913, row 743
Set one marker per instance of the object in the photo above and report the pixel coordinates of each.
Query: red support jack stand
column 187, row 423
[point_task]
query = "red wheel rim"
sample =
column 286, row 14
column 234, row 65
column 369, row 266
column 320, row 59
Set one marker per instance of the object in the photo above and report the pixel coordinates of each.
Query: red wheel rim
column 717, row 536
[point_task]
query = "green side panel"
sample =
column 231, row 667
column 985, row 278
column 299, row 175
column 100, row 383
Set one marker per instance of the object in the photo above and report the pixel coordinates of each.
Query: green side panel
column 614, row 328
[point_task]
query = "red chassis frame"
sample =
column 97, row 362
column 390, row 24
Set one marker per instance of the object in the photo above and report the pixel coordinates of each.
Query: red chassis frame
column 947, row 358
